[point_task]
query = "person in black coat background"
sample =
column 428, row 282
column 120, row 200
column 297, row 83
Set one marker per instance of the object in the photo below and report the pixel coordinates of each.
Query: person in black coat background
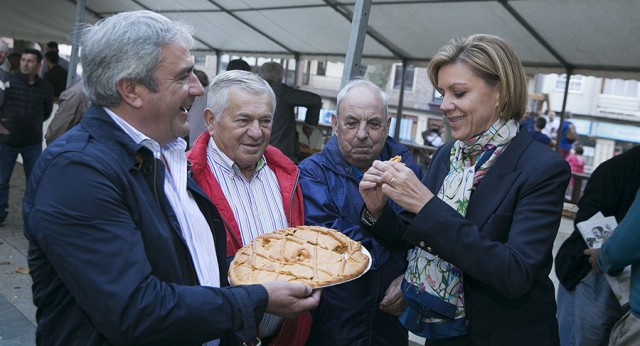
column 587, row 308
column 284, row 135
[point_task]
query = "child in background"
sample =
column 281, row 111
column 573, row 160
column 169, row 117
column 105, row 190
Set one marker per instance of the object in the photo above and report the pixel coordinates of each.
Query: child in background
column 576, row 161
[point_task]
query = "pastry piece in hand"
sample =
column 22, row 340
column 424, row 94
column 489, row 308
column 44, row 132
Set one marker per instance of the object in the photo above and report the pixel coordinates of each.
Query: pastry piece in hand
column 311, row 255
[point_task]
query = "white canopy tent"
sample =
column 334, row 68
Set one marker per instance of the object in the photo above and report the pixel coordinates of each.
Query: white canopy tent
column 588, row 37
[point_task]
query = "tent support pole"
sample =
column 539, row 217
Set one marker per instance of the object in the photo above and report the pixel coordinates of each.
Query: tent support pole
column 71, row 74
column 564, row 107
column 358, row 33
column 396, row 132
column 295, row 71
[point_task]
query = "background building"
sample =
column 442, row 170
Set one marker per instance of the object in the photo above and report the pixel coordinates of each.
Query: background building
column 606, row 112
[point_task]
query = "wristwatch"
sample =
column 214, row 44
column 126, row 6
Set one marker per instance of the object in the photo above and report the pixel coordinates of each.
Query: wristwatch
column 367, row 218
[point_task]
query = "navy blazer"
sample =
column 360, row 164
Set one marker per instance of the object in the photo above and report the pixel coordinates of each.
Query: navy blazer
column 503, row 244
column 106, row 253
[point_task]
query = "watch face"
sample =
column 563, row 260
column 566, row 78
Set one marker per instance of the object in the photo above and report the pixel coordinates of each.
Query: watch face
column 368, row 218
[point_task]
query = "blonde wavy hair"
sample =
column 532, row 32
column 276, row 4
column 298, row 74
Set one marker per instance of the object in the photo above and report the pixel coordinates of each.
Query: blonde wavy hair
column 493, row 60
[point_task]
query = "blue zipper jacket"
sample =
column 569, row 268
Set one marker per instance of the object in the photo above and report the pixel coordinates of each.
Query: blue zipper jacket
column 106, row 254
column 349, row 313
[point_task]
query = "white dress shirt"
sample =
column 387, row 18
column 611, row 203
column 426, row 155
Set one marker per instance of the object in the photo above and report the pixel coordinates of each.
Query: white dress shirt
column 194, row 226
column 256, row 204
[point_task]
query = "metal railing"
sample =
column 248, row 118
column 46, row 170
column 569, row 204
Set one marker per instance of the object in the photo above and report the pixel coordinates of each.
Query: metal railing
column 576, row 187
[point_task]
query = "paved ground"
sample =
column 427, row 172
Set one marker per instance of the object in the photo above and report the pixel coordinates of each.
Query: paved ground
column 17, row 313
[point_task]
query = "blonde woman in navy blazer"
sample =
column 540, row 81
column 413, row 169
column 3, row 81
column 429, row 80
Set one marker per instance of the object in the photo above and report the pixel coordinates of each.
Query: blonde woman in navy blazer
column 502, row 236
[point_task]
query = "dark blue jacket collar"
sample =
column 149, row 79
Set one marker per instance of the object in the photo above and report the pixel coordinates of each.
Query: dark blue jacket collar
column 100, row 126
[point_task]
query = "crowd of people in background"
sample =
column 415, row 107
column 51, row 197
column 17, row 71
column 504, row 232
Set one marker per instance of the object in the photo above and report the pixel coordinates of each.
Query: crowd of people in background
column 546, row 129
column 155, row 175
column 589, row 313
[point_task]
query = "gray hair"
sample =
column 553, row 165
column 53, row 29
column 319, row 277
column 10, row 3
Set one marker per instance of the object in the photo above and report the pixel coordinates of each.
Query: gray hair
column 127, row 45
column 218, row 90
column 370, row 85
column 272, row 72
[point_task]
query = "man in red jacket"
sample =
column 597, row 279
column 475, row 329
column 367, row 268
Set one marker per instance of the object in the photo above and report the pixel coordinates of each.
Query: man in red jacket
column 253, row 185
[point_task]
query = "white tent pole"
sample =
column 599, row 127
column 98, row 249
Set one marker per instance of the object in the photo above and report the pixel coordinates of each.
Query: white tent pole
column 71, row 74
column 359, row 25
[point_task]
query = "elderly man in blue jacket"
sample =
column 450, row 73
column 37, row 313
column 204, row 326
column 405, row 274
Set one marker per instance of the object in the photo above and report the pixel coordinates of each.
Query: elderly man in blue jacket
column 124, row 248
column 363, row 311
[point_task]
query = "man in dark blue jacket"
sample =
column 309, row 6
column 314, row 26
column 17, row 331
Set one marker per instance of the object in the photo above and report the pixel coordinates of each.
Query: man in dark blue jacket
column 124, row 248
column 28, row 101
column 363, row 311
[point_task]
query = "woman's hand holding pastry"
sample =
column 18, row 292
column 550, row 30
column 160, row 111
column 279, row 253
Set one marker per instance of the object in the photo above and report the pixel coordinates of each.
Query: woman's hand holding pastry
column 399, row 183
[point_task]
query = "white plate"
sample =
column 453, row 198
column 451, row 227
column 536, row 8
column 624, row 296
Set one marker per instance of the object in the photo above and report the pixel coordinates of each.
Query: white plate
column 364, row 251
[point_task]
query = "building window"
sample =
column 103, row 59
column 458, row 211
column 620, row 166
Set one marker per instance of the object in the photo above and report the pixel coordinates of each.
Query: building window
column 200, row 60
column 322, row 68
column 437, row 96
column 397, row 79
column 408, row 125
column 289, row 71
column 575, row 84
column 619, row 87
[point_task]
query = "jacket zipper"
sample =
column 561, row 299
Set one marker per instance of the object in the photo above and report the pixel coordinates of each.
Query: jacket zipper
column 155, row 182
column 229, row 230
column 293, row 194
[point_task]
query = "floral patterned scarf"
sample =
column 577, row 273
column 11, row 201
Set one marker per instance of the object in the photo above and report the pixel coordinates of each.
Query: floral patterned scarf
column 431, row 282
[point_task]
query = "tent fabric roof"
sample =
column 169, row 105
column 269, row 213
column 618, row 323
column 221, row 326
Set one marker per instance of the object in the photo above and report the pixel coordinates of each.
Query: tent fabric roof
column 589, row 37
